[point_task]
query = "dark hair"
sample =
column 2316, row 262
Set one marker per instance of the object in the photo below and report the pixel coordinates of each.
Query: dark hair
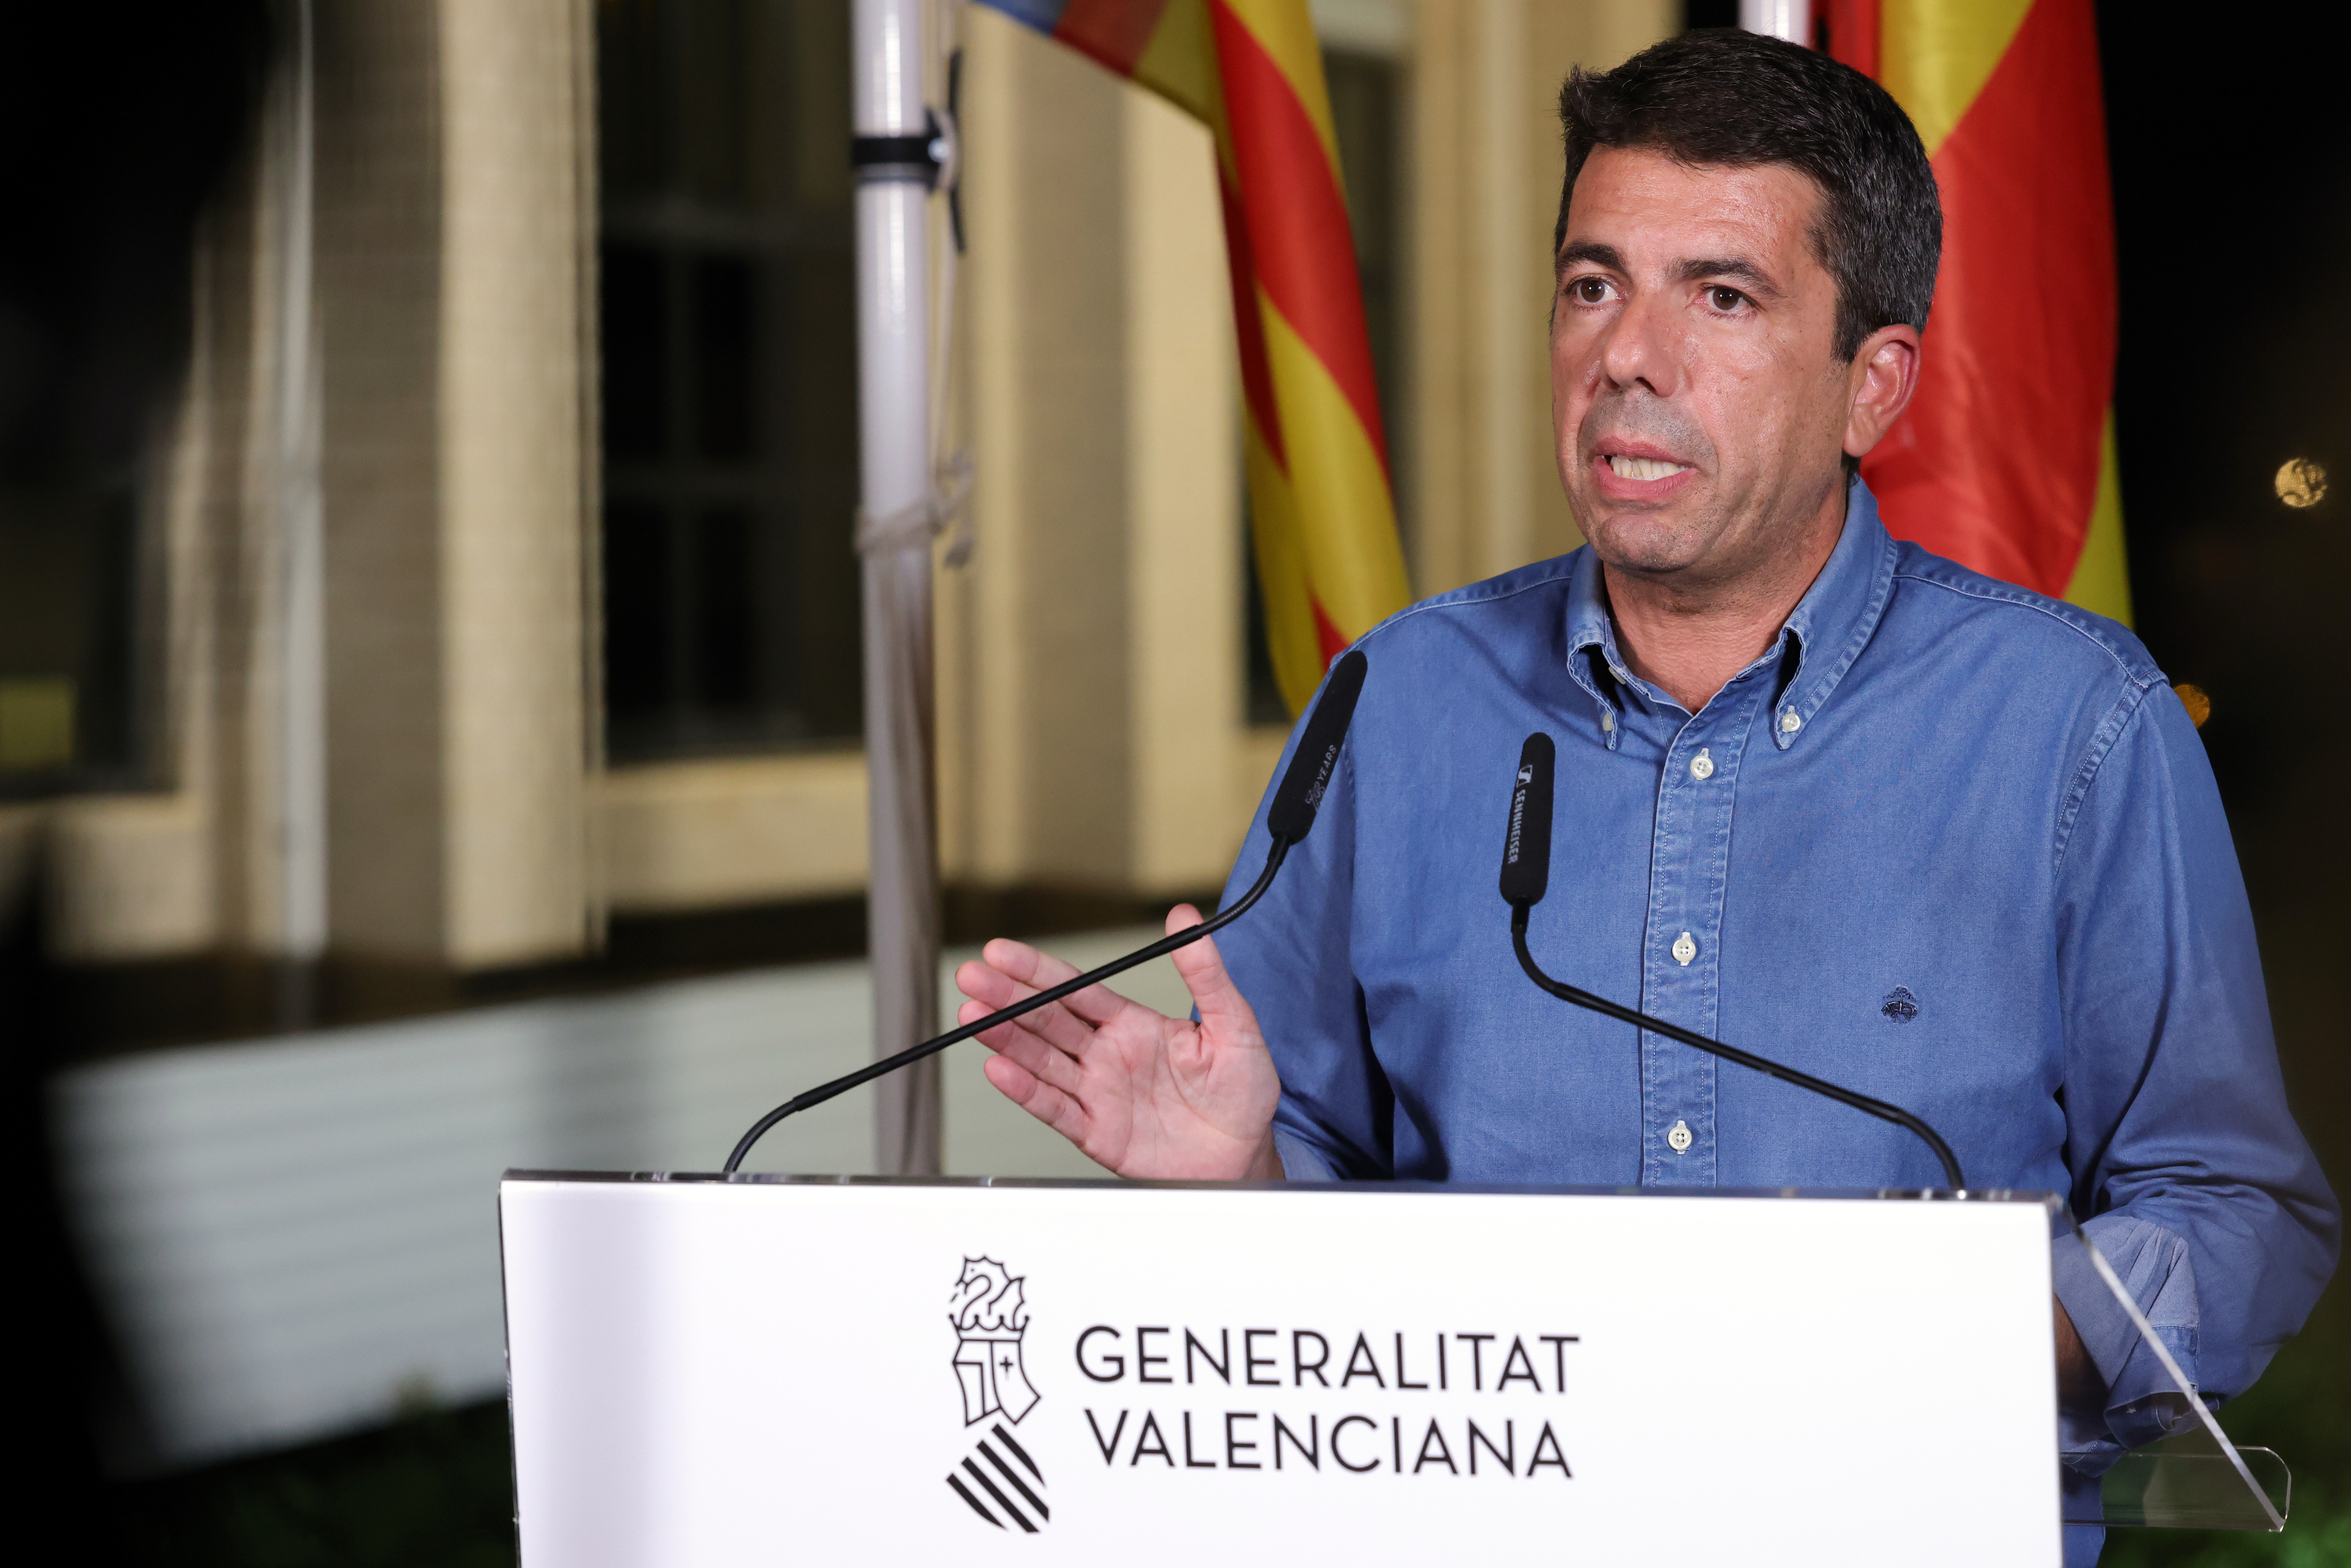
column 1724, row 97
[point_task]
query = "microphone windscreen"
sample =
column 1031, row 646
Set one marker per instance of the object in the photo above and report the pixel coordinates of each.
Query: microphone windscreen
column 1526, row 848
column 1293, row 812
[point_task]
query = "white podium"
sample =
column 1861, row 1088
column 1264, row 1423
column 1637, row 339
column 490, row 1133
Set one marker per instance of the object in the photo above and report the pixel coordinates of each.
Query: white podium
column 759, row 1370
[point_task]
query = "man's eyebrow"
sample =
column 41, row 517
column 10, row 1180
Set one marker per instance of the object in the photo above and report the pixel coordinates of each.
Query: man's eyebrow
column 1591, row 253
column 1700, row 268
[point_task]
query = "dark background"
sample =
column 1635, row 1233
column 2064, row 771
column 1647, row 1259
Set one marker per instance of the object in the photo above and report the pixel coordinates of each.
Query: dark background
column 2231, row 160
column 2232, row 200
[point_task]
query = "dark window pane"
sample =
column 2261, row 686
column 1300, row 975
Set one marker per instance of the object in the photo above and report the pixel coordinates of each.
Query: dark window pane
column 1364, row 104
column 70, row 662
column 816, row 433
column 637, row 634
column 730, row 376
column 632, row 140
column 774, row 583
column 1265, row 703
column 723, row 655
column 635, row 343
column 103, row 730
column 710, row 128
column 723, row 342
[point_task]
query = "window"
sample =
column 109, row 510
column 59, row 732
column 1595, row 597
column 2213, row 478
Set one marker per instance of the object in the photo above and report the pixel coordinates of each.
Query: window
column 69, row 582
column 729, row 386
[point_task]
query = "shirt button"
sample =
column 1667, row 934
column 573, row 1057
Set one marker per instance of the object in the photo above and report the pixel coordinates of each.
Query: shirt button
column 1701, row 766
column 1679, row 1140
column 1685, row 948
column 1607, row 719
column 1790, row 722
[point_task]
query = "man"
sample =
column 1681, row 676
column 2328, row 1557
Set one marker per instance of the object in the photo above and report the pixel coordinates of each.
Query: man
column 1820, row 793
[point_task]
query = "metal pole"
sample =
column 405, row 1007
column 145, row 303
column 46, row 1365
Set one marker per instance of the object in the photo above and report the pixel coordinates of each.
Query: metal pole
column 1789, row 19
column 894, row 411
column 301, row 650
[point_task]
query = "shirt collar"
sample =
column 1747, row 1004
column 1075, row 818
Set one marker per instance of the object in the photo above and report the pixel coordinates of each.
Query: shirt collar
column 1593, row 661
column 1830, row 624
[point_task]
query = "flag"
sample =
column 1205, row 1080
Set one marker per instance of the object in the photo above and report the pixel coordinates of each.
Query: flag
column 2005, row 461
column 1323, row 514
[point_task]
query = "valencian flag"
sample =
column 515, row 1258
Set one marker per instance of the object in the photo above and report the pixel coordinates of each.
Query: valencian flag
column 2006, row 461
column 1322, row 511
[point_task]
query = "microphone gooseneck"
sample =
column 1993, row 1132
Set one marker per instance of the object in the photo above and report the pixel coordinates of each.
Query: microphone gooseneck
column 1526, row 875
column 888, row 1065
column 1290, row 818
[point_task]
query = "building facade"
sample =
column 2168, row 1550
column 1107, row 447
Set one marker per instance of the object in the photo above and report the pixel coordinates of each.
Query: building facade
column 569, row 349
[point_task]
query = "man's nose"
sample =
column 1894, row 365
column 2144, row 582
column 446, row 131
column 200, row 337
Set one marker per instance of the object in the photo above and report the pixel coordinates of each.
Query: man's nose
column 1638, row 350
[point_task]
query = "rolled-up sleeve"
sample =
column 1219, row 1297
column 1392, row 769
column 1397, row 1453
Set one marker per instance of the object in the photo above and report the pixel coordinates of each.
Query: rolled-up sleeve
column 2187, row 1168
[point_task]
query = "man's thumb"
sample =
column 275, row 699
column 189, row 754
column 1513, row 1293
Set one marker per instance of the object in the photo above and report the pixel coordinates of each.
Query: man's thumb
column 1203, row 969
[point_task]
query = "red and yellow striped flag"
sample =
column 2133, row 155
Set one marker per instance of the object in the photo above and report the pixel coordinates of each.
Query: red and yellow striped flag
column 2006, row 461
column 1323, row 514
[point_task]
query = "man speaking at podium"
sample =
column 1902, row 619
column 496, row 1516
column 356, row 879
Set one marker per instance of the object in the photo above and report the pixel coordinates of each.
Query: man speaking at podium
column 1820, row 793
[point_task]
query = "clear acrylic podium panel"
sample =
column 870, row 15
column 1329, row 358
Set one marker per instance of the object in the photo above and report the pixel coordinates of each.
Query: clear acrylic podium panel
column 2195, row 1480
column 2187, row 1483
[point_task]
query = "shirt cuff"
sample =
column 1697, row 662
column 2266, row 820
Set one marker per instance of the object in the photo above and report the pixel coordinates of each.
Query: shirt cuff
column 1301, row 1161
column 2142, row 1402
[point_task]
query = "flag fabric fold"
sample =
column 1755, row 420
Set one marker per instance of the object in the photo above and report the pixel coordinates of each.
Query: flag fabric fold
column 2006, row 460
column 1322, row 512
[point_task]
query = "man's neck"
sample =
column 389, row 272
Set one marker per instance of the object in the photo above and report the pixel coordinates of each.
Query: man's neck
column 1687, row 640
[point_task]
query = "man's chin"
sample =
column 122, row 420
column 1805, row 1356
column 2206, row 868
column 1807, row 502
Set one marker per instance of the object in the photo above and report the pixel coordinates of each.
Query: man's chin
column 1678, row 517
column 1648, row 542
column 1656, row 567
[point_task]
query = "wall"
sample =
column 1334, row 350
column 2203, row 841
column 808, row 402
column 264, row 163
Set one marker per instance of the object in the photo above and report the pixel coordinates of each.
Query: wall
column 457, row 397
column 1486, row 178
column 1092, row 728
column 516, row 364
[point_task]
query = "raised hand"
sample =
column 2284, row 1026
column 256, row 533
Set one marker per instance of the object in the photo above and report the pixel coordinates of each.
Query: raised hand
column 1145, row 1095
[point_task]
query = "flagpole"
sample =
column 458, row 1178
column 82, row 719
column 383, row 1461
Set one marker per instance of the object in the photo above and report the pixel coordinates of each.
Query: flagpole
column 894, row 533
column 300, row 630
column 1789, row 19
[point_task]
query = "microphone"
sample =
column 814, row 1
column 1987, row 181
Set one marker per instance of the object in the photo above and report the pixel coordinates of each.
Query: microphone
column 1526, row 877
column 1289, row 819
column 1292, row 816
column 1526, row 853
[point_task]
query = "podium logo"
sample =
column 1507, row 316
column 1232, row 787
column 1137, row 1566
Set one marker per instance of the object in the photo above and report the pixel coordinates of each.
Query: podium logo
column 990, row 1319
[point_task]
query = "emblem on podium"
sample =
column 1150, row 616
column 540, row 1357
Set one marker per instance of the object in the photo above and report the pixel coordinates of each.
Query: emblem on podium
column 998, row 1480
column 990, row 1320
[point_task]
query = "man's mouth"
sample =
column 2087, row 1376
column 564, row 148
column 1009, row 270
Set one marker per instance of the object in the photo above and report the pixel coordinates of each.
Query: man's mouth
column 1645, row 468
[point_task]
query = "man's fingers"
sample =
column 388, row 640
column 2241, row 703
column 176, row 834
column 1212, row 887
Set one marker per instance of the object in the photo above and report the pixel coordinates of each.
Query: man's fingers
column 1041, row 1058
column 986, row 985
column 1096, row 1004
column 995, row 989
column 1028, row 1026
column 1049, row 1105
column 991, row 990
column 1222, row 1010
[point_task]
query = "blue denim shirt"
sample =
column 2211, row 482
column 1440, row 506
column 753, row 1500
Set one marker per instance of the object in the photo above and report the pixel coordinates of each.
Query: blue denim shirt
column 1947, row 842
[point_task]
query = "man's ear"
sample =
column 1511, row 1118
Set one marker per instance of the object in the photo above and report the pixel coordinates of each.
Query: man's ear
column 1885, row 376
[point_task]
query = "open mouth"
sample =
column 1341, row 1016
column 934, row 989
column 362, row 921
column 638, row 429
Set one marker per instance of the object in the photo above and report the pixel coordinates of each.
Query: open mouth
column 1645, row 468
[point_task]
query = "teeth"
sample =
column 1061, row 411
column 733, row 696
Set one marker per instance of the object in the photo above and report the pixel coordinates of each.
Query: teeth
column 1644, row 467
